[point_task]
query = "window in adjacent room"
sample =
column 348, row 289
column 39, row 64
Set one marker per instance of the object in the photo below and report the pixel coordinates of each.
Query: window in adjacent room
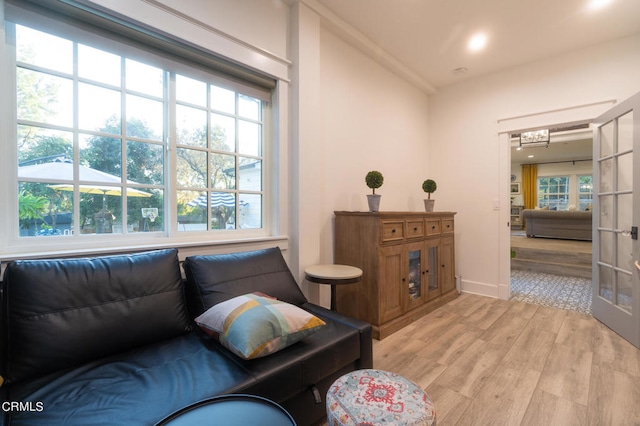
column 117, row 138
column 553, row 191
column 585, row 192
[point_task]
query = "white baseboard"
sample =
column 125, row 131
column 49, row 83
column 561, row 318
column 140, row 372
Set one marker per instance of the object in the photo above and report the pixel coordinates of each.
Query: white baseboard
column 481, row 289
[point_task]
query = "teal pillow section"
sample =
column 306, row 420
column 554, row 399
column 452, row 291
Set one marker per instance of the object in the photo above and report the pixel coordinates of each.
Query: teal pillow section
column 253, row 326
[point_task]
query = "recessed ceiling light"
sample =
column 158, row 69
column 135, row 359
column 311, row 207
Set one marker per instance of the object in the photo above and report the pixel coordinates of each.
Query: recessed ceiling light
column 477, row 42
column 529, row 156
column 598, row 4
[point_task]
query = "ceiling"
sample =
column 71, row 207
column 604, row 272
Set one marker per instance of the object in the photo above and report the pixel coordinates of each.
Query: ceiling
column 564, row 146
column 430, row 37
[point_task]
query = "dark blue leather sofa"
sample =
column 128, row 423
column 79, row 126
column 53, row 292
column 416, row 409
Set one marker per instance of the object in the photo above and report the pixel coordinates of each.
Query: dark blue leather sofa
column 111, row 340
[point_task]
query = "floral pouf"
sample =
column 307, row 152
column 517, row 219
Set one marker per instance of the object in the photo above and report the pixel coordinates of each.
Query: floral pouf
column 376, row 397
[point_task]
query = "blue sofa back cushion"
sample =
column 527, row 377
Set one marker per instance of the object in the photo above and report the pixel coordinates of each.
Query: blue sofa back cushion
column 65, row 312
column 212, row 279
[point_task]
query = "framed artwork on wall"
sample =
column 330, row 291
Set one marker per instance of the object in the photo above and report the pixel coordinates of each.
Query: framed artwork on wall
column 515, row 188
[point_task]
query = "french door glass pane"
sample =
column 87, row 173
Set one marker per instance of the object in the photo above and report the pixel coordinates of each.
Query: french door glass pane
column 606, row 211
column 625, row 172
column 606, row 175
column 606, row 140
column 625, row 132
column 606, row 283
column 606, row 247
column 624, row 286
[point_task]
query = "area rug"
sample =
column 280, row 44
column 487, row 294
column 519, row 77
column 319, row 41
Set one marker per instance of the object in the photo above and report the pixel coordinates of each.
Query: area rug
column 556, row 291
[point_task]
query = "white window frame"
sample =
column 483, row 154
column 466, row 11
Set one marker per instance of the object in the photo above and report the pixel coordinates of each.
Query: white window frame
column 273, row 179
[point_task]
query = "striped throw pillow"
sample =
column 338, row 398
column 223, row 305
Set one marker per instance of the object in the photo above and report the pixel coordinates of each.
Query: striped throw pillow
column 253, row 326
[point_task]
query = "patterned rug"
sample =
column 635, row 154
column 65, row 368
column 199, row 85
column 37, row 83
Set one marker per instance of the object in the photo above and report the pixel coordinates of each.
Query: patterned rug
column 556, row 291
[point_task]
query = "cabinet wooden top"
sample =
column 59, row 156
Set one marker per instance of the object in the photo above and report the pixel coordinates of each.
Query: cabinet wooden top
column 394, row 214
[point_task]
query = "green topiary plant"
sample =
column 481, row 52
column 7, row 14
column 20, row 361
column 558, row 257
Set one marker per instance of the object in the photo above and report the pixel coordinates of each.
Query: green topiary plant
column 429, row 186
column 374, row 180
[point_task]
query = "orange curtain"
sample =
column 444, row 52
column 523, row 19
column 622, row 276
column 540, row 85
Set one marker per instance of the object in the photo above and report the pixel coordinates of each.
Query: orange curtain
column 530, row 185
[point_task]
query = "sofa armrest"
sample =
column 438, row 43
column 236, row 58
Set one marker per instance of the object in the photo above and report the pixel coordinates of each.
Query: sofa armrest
column 366, row 337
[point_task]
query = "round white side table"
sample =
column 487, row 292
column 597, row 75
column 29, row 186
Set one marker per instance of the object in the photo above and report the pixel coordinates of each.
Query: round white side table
column 333, row 275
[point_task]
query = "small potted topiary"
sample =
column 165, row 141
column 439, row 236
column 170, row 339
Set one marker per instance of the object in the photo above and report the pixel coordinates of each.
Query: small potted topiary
column 429, row 186
column 374, row 179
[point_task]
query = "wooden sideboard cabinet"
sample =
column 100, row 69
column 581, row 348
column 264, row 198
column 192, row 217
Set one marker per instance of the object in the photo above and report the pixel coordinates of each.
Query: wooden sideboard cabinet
column 408, row 265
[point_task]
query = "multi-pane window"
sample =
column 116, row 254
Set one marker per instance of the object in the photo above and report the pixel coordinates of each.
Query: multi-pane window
column 585, row 192
column 553, row 192
column 219, row 157
column 96, row 129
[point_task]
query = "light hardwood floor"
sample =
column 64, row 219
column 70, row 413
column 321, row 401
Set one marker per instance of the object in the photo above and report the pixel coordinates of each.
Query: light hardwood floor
column 486, row 361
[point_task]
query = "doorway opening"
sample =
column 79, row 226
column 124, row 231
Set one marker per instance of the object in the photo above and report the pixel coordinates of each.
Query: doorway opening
column 550, row 218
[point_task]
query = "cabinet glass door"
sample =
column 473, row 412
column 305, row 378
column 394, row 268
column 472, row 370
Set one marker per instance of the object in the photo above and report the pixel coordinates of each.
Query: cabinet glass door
column 415, row 274
column 433, row 286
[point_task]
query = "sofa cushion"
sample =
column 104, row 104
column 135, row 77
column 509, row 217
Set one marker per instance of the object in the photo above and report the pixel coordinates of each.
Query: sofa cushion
column 65, row 312
column 215, row 278
column 138, row 387
column 253, row 326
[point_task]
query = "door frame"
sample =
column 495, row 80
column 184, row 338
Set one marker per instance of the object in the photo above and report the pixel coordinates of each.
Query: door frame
column 574, row 115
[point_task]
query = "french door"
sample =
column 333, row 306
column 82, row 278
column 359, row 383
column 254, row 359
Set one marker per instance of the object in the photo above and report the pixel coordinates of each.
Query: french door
column 616, row 216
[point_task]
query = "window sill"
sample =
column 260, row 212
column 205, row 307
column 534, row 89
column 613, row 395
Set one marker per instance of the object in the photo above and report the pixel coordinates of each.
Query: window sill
column 185, row 248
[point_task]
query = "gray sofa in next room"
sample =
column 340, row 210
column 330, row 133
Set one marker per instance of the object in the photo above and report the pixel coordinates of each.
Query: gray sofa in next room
column 570, row 225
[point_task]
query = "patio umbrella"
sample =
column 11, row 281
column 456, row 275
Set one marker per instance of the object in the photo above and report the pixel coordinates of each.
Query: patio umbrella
column 62, row 169
column 218, row 199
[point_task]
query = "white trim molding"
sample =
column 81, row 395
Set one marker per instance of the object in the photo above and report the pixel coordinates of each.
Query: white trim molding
column 577, row 114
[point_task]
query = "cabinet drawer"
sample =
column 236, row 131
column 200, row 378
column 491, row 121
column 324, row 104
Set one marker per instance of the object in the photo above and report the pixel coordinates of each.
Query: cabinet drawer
column 433, row 226
column 447, row 226
column 415, row 228
column 392, row 230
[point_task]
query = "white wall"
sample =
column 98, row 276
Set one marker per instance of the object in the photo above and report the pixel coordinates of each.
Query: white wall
column 371, row 120
column 466, row 150
column 355, row 116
